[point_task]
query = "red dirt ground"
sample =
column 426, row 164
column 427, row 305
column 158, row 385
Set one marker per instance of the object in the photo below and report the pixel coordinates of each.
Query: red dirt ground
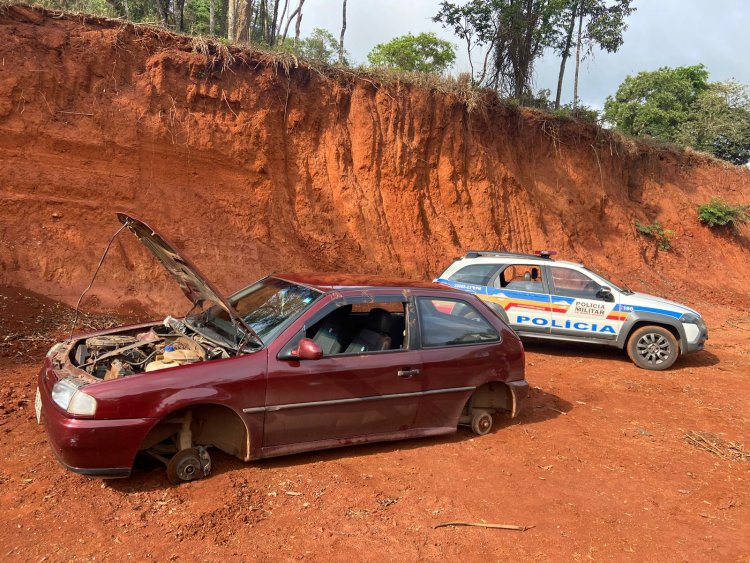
column 597, row 463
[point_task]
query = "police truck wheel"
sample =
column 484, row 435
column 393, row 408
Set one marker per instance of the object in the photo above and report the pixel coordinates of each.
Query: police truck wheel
column 481, row 422
column 653, row 347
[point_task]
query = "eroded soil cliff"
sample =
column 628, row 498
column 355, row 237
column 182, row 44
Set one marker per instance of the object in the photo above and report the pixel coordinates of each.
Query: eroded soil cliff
column 251, row 167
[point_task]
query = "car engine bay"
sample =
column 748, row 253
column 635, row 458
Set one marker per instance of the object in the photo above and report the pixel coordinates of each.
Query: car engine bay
column 171, row 344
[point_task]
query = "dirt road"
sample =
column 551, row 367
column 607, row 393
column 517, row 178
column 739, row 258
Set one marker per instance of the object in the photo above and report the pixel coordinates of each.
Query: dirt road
column 598, row 464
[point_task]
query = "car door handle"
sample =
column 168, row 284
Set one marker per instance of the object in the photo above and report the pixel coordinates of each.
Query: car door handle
column 408, row 373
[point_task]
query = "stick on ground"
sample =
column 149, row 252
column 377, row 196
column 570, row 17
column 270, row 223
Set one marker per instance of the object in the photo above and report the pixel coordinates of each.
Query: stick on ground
column 483, row 525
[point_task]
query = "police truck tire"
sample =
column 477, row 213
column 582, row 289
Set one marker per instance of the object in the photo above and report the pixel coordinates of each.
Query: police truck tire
column 653, row 347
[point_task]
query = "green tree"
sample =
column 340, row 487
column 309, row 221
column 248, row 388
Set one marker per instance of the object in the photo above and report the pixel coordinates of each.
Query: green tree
column 719, row 122
column 425, row 52
column 600, row 24
column 680, row 105
column 656, row 103
column 474, row 22
column 320, row 45
column 514, row 34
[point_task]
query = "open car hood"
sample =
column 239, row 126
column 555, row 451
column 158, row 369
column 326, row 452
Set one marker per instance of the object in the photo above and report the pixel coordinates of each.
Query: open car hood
column 192, row 282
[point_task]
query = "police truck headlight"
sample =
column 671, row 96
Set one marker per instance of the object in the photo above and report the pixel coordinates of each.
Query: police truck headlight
column 691, row 318
column 697, row 320
column 67, row 396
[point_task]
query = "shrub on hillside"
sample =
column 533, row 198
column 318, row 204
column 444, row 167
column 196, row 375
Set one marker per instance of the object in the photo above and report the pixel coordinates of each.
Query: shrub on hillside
column 719, row 213
column 655, row 231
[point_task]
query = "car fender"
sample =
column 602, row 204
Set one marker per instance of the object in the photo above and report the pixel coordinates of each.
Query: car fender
column 650, row 318
column 193, row 396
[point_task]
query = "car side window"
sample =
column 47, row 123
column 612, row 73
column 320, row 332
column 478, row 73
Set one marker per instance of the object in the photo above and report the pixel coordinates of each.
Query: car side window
column 522, row 277
column 478, row 274
column 452, row 322
column 361, row 328
column 572, row 283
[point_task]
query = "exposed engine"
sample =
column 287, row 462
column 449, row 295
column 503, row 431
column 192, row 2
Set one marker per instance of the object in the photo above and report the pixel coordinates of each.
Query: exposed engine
column 114, row 356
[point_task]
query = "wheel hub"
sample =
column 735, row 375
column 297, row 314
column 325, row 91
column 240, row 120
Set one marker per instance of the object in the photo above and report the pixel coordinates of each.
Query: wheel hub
column 653, row 348
column 189, row 464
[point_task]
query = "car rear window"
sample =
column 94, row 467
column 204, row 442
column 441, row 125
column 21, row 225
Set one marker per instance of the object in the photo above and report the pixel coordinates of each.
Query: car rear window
column 479, row 274
column 452, row 322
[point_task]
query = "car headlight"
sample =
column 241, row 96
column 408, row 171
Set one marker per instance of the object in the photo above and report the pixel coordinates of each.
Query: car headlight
column 695, row 319
column 67, row 396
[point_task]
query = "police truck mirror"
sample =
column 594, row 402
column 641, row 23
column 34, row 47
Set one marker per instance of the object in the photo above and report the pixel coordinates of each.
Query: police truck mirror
column 605, row 293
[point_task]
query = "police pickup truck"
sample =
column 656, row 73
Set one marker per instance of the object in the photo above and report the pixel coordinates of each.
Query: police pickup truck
column 544, row 298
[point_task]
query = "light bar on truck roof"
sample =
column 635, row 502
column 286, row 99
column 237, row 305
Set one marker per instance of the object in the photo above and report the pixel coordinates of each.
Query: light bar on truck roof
column 548, row 254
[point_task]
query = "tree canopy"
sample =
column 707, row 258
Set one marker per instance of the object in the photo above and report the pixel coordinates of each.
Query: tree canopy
column 320, row 45
column 601, row 23
column 680, row 105
column 425, row 52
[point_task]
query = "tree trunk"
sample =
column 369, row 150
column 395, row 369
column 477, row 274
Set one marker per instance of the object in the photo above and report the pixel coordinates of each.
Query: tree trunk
column 343, row 30
column 263, row 16
column 566, row 53
column 127, row 9
column 211, row 18
column 281, row 19
column 298, row 23
column 253, row 25
column 578, row 60
column 296, row 11
column 179, row 14
column 163, row 6
column 222, row 23
column 274, row 22
column 244, row 18
column 231, row 20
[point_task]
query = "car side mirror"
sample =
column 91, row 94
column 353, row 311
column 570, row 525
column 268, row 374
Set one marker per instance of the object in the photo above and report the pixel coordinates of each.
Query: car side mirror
column 305, row 350
column 605, row 293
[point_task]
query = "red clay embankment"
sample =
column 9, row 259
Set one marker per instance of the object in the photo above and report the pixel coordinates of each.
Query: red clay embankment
column 252, row 169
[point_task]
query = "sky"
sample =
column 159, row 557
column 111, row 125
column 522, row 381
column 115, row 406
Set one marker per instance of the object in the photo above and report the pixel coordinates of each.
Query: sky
column 660, row 33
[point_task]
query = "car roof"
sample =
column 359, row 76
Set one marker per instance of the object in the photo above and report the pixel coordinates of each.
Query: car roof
column 517, row 258
column 326, row 282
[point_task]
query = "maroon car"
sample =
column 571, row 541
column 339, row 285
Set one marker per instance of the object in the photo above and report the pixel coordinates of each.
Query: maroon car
column 289, row 364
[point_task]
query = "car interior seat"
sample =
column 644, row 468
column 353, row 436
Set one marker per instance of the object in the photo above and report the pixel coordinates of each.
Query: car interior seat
column 527, row 276
column 331, row 336
column 398, row 331
column 374, row 335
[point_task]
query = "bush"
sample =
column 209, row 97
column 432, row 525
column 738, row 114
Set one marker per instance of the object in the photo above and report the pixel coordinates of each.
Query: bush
column 719, row 213
column 655, row 231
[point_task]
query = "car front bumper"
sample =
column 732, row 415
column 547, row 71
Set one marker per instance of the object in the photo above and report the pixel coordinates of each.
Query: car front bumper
column 99, row 448
column 696, row 336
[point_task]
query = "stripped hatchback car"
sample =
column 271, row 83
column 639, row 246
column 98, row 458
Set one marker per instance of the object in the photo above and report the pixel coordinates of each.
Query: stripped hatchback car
column 289, row 364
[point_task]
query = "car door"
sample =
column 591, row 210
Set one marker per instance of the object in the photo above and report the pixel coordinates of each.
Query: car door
column 459, row 349
column 344, row 395
column 523, row 292
column 579, row 306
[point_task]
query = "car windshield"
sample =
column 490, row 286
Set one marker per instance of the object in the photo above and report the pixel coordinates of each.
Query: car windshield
column 267, row 307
